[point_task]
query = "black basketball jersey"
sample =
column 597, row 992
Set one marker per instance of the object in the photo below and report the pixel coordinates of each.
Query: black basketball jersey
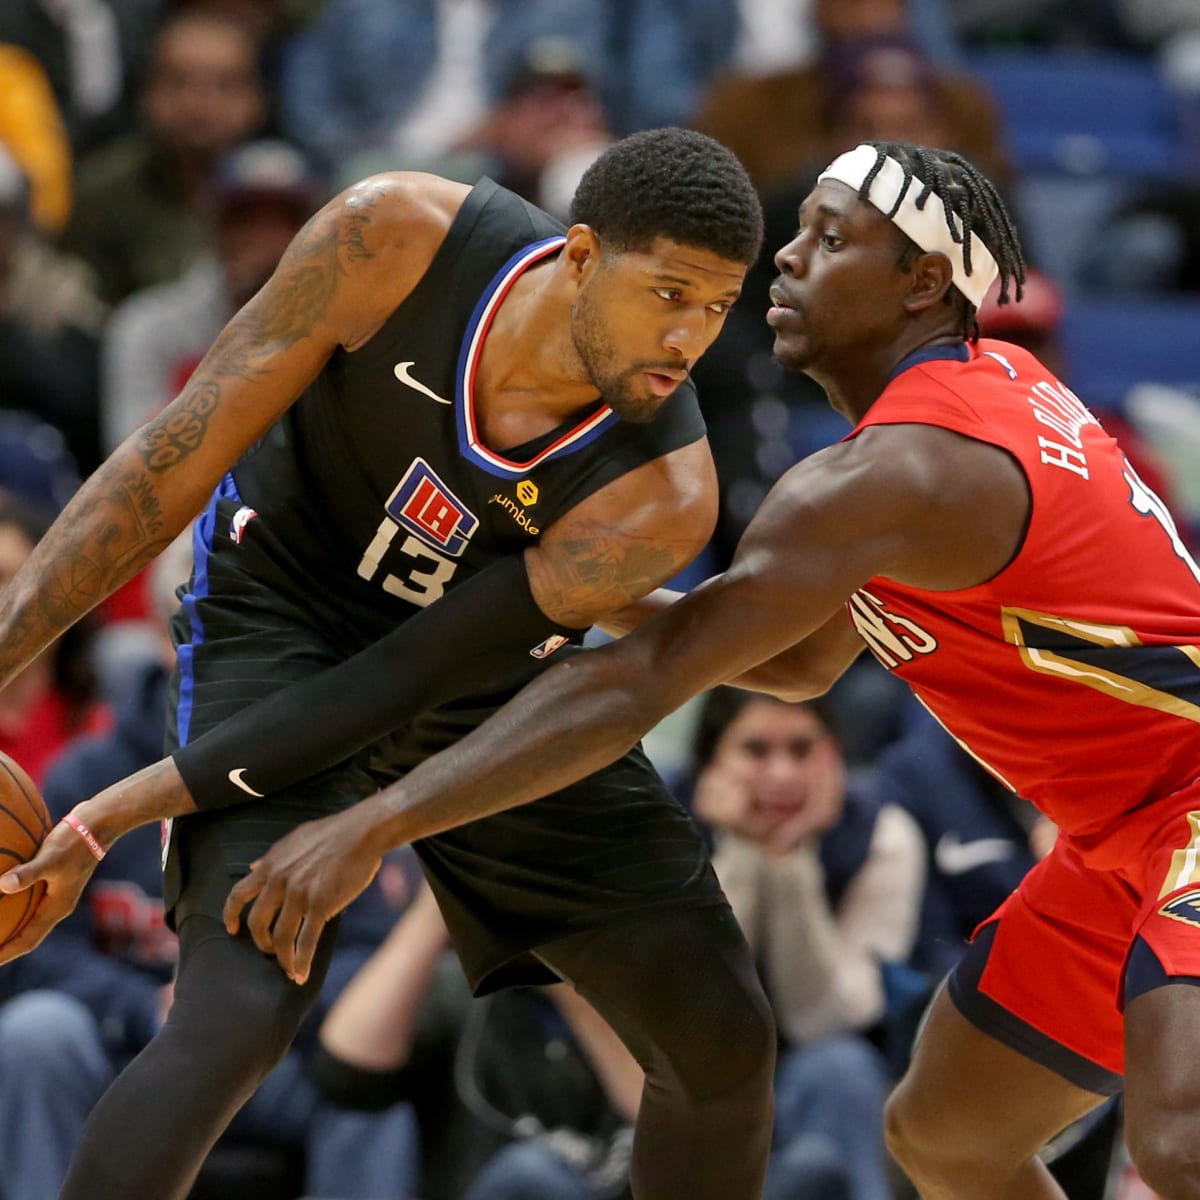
column 375, row 484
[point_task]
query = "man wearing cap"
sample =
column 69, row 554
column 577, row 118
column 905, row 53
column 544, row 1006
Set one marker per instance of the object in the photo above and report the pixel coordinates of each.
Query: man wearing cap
column 263, row 193
column 985, row 538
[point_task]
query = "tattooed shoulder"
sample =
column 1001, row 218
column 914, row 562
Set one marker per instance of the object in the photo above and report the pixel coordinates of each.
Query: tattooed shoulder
column 358, row 214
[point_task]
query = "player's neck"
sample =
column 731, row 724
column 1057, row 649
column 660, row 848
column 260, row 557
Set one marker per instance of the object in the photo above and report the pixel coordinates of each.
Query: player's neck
column 530, row 377
column 855, row 382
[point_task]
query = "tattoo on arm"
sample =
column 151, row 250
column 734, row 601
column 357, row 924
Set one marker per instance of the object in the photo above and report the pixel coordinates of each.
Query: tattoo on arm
column 177, row 431
column 101, row 540
column 305, row 283
column 80, row 572
column 117, row 523
column 299, row 296
column 356, row 223
column 598, row 571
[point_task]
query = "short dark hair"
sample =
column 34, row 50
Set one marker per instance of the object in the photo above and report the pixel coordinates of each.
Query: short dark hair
column 672, row 183
column 721, row 706
column 972, row 197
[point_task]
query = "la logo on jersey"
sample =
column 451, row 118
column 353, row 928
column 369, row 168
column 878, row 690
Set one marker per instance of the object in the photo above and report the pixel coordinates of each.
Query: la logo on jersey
column 425, row 506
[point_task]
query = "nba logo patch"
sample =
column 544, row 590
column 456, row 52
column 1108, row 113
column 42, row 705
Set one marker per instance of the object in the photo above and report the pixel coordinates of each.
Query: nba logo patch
column 548, row 647
column 424, row 505
column 241, row 518
column 1184, row 907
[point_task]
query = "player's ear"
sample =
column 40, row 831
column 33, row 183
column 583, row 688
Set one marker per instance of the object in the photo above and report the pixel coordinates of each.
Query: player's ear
column 582, row 251
column 932, row 277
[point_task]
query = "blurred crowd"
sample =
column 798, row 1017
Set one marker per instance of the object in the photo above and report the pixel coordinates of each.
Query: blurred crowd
column 157, row 156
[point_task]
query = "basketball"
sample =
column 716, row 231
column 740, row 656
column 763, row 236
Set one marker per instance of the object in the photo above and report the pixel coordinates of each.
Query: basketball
column 24, row 822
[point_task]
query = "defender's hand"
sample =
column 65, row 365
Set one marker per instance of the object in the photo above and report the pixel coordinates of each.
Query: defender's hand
column 303, row 881
column 65, row 864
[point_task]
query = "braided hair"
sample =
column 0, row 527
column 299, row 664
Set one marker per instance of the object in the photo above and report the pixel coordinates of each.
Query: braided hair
column 967, row 195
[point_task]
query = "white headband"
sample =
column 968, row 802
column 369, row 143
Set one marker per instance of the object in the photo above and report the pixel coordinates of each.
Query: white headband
column 926, row 226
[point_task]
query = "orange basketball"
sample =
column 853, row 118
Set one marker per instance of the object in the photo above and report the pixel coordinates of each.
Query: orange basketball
column 24, row 822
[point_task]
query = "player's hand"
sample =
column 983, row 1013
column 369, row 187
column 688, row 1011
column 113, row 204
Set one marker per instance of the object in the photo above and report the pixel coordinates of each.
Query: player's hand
column 64, row 864
column 725, row 800
column 303, row 881
column 823, row 803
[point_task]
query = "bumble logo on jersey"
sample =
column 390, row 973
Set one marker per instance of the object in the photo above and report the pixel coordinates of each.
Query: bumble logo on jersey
column 515, row 510
column 527, row 492
column 1184, row 908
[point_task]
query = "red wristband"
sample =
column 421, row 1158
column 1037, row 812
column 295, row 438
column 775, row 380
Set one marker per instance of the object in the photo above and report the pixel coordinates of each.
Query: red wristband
column 89, row 838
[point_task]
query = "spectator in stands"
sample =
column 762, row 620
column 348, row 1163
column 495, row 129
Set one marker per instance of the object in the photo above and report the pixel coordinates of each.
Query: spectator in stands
column 401, row 82
column 263, row 194
column 547, row 129
column 142, row 207
column 980, row 838
column 272, row 24
column 51, row 318
column 95, row 992
column 55, row 697
column 1151, row 244
column 779, row 124
column 664, row 54
column 884, row 89
column 88, row 49
column 522, row 1095
column 35, row 465
column 827, row 884
column 32, row 132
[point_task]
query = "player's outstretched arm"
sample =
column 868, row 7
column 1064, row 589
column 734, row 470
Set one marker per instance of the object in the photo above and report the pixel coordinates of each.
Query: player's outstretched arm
column 914, row 503
column 575, row 718
column 810, row 668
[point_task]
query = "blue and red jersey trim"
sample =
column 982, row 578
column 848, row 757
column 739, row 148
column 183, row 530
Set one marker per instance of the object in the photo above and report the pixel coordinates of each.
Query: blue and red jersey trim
column 469, row 443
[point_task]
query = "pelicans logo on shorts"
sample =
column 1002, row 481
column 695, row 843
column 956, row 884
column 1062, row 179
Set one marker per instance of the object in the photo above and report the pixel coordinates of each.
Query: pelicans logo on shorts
column 1184, row 907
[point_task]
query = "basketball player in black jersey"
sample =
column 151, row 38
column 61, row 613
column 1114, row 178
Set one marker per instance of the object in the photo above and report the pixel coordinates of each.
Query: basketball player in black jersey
column 446, row 437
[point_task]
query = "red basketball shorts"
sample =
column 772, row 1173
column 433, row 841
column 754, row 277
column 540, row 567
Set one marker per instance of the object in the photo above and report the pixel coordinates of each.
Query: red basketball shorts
column 1058, row 957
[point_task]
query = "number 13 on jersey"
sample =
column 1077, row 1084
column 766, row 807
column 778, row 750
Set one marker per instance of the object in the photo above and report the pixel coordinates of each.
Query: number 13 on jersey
column 439, row 526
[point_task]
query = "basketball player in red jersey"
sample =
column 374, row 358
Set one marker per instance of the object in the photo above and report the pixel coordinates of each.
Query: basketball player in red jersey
column 987, row 541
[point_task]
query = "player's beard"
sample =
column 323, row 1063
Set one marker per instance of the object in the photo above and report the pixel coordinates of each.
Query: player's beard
column 599, row 357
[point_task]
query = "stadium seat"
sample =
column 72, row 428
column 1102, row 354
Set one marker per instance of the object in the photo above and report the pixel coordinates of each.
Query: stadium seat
column 1083, row 113
column 1061, row 216
column 1112, row 344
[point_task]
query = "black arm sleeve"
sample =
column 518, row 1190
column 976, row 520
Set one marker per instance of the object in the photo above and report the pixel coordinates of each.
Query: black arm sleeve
column 478, row 633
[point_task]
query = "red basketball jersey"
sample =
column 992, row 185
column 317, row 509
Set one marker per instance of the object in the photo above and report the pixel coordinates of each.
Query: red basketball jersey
column 1074, row 674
